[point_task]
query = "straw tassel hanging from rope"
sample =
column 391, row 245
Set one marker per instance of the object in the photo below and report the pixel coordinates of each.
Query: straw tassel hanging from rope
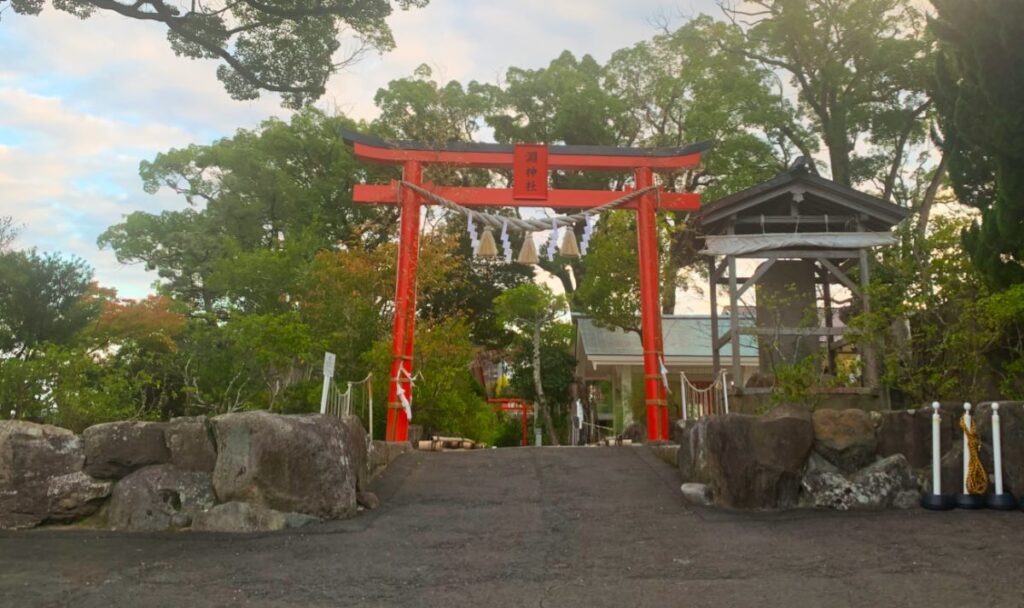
column 528, row 253
column 487, row 248
column 569, row 248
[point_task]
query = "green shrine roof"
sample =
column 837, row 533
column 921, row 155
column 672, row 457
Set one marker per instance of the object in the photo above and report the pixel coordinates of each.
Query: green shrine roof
column 684, row 336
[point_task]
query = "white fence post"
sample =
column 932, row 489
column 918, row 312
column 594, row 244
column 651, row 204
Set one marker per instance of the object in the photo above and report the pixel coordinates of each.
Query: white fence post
column 329, row 359
column 682, row 391
column 725, row 392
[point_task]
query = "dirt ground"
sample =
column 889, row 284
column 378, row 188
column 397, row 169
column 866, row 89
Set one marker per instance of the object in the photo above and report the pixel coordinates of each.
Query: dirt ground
column 536, row 526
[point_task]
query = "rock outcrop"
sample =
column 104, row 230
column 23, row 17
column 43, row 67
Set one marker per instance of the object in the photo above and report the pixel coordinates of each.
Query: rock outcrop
column 41, row 478
column 303, row 464
column 159, row 497
column 909, row 432
column 846, row 438
column 191, row 444
column 749, row 461
column 889, row 482
column 115, row 449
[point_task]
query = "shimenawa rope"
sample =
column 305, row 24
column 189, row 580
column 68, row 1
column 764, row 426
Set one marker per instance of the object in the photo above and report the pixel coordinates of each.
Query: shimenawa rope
column 497, row 221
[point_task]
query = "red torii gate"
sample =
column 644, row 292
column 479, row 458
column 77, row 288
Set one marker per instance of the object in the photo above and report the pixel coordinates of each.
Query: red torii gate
column 515, row 404
column 530, row 165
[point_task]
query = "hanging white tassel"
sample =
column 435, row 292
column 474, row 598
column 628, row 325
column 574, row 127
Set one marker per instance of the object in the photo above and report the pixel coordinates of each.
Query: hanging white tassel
column 588, row 229
column 553, row 241
column 506, row 244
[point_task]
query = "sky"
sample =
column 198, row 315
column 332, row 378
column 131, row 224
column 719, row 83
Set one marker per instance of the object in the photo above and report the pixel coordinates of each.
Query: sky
column 82, row 102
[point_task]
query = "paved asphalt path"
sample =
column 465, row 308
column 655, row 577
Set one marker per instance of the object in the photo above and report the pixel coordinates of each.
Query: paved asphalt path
column 536, row 527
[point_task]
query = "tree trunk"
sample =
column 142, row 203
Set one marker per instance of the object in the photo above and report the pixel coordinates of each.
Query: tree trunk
column 924, row 215
column 549, row 427
column 839, row 147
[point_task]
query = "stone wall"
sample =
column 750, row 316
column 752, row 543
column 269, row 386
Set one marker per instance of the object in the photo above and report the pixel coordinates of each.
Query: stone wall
column 840, row 459
column 248, row 471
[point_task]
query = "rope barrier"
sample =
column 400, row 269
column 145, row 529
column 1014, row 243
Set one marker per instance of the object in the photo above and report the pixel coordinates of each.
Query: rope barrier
column 498, row 221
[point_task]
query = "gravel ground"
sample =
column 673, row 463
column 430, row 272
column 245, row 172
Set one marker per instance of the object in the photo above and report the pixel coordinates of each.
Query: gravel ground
column 536, row 526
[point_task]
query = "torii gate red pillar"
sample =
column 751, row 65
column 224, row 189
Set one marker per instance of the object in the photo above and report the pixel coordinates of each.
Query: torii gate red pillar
column 413, row 157
column 405, row 308
column 650, row 309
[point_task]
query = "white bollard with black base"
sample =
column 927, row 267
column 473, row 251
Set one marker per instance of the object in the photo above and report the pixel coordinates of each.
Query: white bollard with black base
column 967, row 500
column 1001, row 500
column 936, row 500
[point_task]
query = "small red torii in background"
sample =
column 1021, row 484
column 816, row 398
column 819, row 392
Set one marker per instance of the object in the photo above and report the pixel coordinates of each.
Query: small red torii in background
column 530, row 164
column 515, row 404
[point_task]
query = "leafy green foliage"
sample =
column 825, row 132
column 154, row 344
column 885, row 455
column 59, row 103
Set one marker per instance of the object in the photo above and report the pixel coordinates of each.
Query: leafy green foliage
column 532, row 309
column 284, row 46
column 446, row 398
column 261, row 204
column 941, row 333
column 40, row 300
column 860, row 69
column 979, row 90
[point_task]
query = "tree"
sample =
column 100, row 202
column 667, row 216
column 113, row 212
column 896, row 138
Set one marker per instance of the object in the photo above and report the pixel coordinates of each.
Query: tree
column 41, row 300
column 8, row 232
column 682, row 87
column 859, row 68
column 979, row 91
column 420, row 109
column 447, row 400
column 282, row 46
column 948, row 328
column 563, row 103
column 261, row 203
column 559, row 365
column 531, row 308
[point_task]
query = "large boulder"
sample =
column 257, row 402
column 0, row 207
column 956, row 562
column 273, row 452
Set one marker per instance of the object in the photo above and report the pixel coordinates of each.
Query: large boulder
column 748, row 461
column 1011, row 424
column 889, row 482
column 303, row 464
column 159, row 497
column 41, row 478
column 357, row 444
column 909, row 432
column 846, row 438
column 115, row 449
column 245, row 517
column 191, row 444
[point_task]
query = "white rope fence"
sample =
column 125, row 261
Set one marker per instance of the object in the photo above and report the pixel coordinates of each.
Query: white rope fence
column 604, row 432
column 339, row 403
column 708, row 401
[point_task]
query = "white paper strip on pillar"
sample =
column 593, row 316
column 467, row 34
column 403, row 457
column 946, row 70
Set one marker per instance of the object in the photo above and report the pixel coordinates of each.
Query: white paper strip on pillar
column 739, row 244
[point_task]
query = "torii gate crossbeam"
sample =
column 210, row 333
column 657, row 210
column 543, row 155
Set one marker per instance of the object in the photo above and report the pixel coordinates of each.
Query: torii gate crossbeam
column 413, row 157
